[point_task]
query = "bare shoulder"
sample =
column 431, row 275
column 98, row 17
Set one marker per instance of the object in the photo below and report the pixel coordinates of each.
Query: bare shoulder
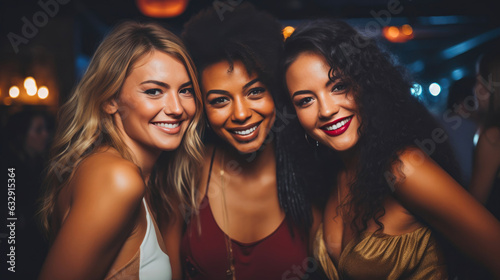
column 413, row 161
column 422, row 183
column 493, row 133
column 417, row 174
column 107, row 174
column 490, row 137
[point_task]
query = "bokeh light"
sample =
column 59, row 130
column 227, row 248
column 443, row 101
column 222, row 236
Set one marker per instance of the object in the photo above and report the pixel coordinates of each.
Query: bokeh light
column 416, row 89
column 435, row 89
column 43, row 92
column 406, row 30
column 14, row 91
column 287, row 31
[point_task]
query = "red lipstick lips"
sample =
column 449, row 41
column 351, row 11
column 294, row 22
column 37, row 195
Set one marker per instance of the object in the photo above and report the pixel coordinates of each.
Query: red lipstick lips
column 337, row 127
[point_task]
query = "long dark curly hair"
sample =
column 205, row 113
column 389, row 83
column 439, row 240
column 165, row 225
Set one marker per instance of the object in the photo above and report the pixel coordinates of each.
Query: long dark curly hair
column 392, row 120
column 255, row 38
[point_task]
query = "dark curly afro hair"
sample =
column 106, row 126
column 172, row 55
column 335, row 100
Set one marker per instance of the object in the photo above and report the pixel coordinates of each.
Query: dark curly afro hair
column 392, row 120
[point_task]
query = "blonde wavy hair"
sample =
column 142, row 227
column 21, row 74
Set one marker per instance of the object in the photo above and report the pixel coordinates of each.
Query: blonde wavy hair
column 84, row 126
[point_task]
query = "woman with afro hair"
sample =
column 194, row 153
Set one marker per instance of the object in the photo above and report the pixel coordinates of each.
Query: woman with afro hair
column 253, row 219
column 395, row 191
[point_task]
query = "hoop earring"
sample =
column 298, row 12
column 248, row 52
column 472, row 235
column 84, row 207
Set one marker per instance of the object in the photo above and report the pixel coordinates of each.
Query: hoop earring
column 309, row 142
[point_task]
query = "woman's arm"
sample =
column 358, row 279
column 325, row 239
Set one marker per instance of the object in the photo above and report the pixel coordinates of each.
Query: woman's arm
column 486, row 164
column 105, row 200
column 429, row 192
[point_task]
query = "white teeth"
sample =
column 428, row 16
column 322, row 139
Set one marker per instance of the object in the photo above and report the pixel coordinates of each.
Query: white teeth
column 338, row 125
column 246, row 132
column 168, row 125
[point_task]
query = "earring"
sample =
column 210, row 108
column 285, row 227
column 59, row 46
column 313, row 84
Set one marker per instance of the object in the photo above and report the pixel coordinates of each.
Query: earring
column 309, row 142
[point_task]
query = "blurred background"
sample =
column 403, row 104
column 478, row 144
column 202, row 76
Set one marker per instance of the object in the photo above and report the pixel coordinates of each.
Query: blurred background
column 46, row 46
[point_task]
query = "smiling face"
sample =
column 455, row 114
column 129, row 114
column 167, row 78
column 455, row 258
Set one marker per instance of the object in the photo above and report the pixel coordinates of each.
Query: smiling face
column 239, row 107
column 326, row 109
column 156, row 103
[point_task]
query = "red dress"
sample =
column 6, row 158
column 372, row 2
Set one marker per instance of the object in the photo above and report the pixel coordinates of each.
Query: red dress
column 277, row 256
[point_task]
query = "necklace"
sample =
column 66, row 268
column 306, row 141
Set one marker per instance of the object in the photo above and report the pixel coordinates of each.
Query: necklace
column 230, row 272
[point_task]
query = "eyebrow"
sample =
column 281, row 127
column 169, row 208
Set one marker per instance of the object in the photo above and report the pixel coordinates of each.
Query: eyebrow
column 220, row 91
column 247, row 85
column 301, row 92
column 216, row 91
column 186, row 84
column 165, row 85
column 328, row 84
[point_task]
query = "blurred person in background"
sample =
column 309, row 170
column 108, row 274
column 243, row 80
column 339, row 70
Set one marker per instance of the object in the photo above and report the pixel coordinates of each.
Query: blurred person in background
column 26, row 139
column 460, row 124
column 485, row 184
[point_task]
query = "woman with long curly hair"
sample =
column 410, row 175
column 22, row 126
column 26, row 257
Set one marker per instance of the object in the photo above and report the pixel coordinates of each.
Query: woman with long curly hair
column 254, row 218
column 394, row 191
column 123, row 157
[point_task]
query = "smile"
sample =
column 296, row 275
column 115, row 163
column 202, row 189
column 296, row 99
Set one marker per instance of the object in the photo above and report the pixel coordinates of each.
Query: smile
column 337, row 127
column 245, row 132
column 168, row 125
column 168, row 128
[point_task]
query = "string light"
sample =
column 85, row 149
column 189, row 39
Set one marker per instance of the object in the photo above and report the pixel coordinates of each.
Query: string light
column 30, row 86
column 14, row 91
column 43, row 92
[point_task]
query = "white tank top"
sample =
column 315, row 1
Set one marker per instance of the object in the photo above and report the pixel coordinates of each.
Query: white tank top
column 150, row 262
column 155, row 264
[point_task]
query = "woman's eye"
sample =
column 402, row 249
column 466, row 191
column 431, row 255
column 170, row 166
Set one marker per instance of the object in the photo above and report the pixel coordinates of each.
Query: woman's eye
column 153, row 91
column 339, row 87
column 304, row 101
column 256, row 91
column 187, row 91
column 218, row 101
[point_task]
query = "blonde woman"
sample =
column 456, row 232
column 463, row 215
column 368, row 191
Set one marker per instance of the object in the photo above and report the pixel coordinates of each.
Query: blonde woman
column 137, row 104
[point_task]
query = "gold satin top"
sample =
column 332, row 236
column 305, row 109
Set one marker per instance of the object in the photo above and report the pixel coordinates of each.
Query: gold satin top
column 414, row 255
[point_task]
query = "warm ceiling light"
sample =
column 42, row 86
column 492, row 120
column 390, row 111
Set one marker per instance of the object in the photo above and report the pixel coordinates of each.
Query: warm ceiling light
column 393, row 32
column 287, row 31
column 14, row 91
column 406, row 29
column 43, row 92
column 31, row 91
column 398, row 34
column 29, row 82
column 162, row 8
column 30, row 86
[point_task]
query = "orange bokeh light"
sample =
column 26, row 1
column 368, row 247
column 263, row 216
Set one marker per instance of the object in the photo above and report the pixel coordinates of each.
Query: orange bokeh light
column 393, row 32
column 398, row 35
column 406, row 29
column 287, row 31
column 162, row 8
